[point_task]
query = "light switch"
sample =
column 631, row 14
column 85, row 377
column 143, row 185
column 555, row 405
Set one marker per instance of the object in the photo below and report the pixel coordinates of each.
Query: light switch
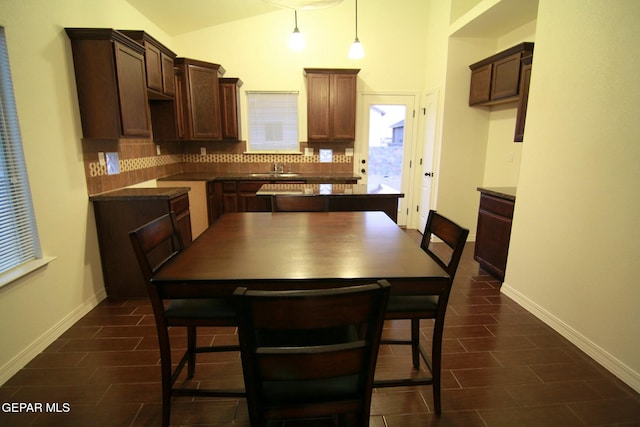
column 203, row 151
column 158, row 152
column 101, row 160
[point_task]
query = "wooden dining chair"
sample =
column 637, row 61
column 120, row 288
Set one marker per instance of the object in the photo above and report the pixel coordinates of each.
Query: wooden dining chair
column 296, row 203
column 310, row 354
column 428, row 305
column 154, row 244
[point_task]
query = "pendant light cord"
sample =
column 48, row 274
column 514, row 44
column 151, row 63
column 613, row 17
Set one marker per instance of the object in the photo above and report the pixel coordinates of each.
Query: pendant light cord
column 356, row 19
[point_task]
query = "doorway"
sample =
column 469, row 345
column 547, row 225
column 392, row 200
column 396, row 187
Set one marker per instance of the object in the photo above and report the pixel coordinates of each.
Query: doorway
column 427, row 161
column 384, row 152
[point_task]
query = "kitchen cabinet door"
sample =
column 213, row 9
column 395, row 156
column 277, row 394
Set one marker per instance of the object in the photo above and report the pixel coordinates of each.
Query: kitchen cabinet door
column 523, row 99
column 493, row 234
column 331, row 104
column 111, row 83
column 230, row 108
column 158, row 63
column 496, row 79
column 201, row 103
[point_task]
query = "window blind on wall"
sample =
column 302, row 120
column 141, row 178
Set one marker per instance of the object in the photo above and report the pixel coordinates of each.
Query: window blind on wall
column 19, row 241
column 273, row 122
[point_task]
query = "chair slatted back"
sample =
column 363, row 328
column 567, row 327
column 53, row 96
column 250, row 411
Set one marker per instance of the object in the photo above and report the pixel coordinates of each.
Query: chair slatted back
column 453, row 235
column 155, row 243
column 310, row 353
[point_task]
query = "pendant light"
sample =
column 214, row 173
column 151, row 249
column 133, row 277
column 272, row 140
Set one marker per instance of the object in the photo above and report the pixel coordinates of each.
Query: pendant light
column 356, row 51
column 296, row 40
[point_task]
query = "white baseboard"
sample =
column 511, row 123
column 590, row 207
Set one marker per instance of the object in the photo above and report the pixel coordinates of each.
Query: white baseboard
column 600, row 355
column 32, row 350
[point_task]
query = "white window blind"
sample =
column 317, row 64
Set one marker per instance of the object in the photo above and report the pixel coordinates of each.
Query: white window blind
column 273, row 122
column 18, row 234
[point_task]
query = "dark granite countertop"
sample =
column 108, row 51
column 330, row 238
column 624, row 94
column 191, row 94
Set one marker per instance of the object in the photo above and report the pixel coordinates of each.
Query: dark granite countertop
column 507, row 193
column 141, row 193
column 247, row 176
column 327, row 189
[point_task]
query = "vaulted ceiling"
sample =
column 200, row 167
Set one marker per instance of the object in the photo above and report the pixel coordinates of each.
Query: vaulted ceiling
column 177, row 17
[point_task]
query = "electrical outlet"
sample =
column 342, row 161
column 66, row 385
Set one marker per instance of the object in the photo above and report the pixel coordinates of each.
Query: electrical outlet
column 203, row 151
column 158, row 152
column 101, row 159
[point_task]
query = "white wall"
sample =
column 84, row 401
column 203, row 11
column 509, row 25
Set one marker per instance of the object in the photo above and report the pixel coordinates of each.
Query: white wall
column 255, row 49
column 39, row 307
column 574, row 258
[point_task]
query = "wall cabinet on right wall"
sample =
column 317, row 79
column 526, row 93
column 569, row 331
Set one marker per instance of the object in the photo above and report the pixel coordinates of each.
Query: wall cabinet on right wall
column 503, row 78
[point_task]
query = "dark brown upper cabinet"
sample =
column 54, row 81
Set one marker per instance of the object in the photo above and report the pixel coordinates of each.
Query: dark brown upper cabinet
column 199, row 109
column 230, row 107
column 523, row 99
column 111, row 84
column 331, row 104
column 496, row 79
column 158, row 63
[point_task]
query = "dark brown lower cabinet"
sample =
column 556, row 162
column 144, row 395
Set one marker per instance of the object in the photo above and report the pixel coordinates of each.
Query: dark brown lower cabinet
column 119, row 212
column 493, row 234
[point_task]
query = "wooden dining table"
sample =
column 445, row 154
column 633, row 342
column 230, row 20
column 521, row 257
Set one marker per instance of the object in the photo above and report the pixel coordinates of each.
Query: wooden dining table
column 299, row 250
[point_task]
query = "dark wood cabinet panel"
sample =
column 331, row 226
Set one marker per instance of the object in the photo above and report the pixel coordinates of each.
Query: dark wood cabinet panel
column 493, row 234
column 480, row 90
column 230, row 107
column 201, row 104
column 318, row 109
column 111, row 83
column 496, row 79
column 159, row 65
column 115, row 218
column 505, row 77
column 523, row 100
column 331, row 104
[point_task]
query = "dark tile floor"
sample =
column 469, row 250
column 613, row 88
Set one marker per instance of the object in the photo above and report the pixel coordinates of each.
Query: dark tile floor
column 501, row 367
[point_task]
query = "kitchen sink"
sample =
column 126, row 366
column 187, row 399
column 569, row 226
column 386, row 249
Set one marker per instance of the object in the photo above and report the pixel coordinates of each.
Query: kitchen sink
column 274, row 174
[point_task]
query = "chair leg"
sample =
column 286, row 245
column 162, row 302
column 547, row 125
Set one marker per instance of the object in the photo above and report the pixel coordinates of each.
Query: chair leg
column 415, row 342
column 436, row 364
column 166, row 404
column 191, row 349
column 166, row 373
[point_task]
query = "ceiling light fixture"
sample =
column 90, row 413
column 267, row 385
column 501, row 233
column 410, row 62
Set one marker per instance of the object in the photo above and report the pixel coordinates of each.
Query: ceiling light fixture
column 296, row 40
column 356, row 51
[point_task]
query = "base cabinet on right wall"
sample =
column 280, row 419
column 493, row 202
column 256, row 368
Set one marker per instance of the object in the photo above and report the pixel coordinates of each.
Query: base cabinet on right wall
column 494, row 229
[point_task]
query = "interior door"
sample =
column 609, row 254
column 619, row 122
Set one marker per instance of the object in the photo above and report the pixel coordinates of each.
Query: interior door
column 383, row 153
column 427, row 160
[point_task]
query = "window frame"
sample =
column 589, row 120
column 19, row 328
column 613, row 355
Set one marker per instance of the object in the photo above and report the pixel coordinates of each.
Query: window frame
column 19, row 240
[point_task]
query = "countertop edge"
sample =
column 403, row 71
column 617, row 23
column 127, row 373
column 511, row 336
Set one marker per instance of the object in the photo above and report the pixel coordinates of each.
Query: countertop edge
column 250, row 177
column 140, row 193
column 507, row 193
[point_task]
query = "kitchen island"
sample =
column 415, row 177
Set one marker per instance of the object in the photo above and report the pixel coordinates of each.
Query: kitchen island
column 228, row 192
column 342, row 197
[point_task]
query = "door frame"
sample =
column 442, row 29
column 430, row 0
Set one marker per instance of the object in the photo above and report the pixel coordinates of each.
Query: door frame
column 431, row 96
column 410, row 134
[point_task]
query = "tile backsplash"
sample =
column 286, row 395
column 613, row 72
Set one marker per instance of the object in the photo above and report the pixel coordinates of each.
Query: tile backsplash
column 139, row 161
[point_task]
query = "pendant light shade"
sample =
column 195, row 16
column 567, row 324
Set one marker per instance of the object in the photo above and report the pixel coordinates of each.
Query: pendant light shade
column 296, row 40
column 356, row 51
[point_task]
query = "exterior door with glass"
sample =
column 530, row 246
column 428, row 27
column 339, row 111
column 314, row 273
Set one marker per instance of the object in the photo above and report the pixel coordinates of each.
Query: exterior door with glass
column 383, row 153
